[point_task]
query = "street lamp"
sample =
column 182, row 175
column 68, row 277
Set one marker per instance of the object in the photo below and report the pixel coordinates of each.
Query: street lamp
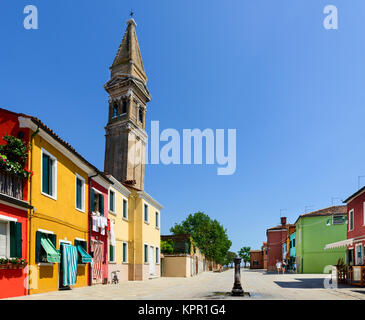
column 237, row 288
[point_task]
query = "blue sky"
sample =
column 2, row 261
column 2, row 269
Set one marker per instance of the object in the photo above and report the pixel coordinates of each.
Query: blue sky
column 293, row 90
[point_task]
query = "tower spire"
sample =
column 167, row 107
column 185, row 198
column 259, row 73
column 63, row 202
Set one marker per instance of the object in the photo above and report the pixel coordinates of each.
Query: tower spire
column 126, row 137
column 128, row 60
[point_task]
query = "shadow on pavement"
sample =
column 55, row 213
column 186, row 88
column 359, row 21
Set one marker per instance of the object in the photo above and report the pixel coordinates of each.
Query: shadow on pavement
column 302, row 284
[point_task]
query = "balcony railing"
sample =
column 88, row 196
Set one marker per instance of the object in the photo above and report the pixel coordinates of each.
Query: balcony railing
column 11, row 185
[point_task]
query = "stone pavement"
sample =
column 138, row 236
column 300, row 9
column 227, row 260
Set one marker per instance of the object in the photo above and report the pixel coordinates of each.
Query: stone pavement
column 210, row 285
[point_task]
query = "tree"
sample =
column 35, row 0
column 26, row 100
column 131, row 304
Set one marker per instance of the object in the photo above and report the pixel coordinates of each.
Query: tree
column 208, row 235
column 167, row 246
column 229, row 260
column 244, row 254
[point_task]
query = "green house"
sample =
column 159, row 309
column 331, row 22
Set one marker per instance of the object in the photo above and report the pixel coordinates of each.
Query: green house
column 314, row 231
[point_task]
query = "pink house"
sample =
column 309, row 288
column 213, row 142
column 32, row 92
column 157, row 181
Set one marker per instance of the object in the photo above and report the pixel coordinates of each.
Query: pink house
column 98, row 228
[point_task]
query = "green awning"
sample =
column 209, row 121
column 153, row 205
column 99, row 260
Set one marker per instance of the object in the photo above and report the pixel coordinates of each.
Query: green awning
column 53, row 255
column 85, row 257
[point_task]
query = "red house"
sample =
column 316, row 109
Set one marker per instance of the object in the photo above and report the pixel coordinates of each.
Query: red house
column 356, row 227
column 14, row 208
column 99, row 226
column 276, row 236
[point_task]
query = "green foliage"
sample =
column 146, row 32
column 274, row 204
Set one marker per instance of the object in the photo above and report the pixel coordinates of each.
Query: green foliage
column 167, row 246
column 13, row 157
column 208, row 235
column 229, row 259
column 244, row 253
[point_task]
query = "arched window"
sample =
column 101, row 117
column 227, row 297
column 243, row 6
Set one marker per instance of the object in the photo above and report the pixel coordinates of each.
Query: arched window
column 115, row 110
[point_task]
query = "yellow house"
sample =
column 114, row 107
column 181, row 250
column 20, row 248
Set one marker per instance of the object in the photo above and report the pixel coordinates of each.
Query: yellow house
column 135, row 216
column 58, row 224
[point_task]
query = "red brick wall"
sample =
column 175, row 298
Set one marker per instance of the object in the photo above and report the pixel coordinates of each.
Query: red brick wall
column 275, row 238
column 256, row 256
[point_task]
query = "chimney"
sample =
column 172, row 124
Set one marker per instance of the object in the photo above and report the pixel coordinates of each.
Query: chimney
column 283, row 221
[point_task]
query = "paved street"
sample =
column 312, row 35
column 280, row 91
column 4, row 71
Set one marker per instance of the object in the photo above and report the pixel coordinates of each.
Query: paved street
column 211, row 285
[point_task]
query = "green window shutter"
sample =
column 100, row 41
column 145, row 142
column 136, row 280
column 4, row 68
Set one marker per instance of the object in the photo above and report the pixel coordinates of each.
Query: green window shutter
column 101, row 204
column 78, row 193
column 145, row 253
column 92, row 200
column 18, row 237
column 38, row 246
column 45, row 174
column 157, row 219
column 12, row 239
column 111, row 253
column 50, row 175
column 124, row 208
column 111, row 201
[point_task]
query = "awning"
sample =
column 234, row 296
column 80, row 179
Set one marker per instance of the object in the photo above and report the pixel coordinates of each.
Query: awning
column 339, row 244
column 53, row 254
column 85, row 257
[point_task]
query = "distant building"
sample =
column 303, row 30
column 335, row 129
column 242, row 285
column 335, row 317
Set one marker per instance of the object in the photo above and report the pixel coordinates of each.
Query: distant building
column 276, row 237
column 186, row 259
column 314, row 231
column 256, row 259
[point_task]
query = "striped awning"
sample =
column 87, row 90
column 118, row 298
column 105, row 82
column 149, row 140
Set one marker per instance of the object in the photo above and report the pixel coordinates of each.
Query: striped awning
column 53, row 255
column 339, row 244
column 69, row 264
column 85, row 257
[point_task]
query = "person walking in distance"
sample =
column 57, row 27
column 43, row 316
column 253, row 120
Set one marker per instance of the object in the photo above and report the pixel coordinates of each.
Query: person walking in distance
column 283, row 266
column 278, row 266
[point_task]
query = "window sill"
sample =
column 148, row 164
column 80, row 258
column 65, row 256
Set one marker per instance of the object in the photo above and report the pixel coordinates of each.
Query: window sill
column 125, row 263
column 49, row 196
column 113, row 213
column 125, row 219
column 146, row 222
column 112, row 262
column 81, row 210
column 45, row 264
column 158, row 228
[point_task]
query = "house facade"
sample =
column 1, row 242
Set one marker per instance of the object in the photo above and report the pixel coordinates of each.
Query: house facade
column 276, row 237
column 330, row 224
column 58, row 223
column 292, row 251
column 14, row 208
column 120, row 240
column 256, row 259
column 355, row 240
column 100, row 229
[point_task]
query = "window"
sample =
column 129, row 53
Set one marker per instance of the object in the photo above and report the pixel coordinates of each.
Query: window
column 80, row 193
column 140, row 115
column 145, row 253
column 145, row 213
column 125, row 209
column 111, row 253
column 339, row 219
column 97, row 202
column 294, row 243
column 157, row 224
column 49, row 174
column 157, row 255
column 351, row 220
column 125, row 252
column 40, row 252
column 124, row 107
column 10, row 239
column 111, row 201
column 115, row 110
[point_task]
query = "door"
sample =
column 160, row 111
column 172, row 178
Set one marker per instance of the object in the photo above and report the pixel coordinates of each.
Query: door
column 152, row 260
column 97, row 271
column 358, row 255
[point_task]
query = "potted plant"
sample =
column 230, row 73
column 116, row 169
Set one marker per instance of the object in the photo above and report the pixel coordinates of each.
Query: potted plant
column 4, row 263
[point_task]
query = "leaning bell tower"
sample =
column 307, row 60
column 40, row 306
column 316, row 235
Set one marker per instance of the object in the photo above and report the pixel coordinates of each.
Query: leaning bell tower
column 126, row 137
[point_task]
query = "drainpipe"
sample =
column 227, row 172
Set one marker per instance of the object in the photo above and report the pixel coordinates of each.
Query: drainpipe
column 90, row 224
column 30, row 202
